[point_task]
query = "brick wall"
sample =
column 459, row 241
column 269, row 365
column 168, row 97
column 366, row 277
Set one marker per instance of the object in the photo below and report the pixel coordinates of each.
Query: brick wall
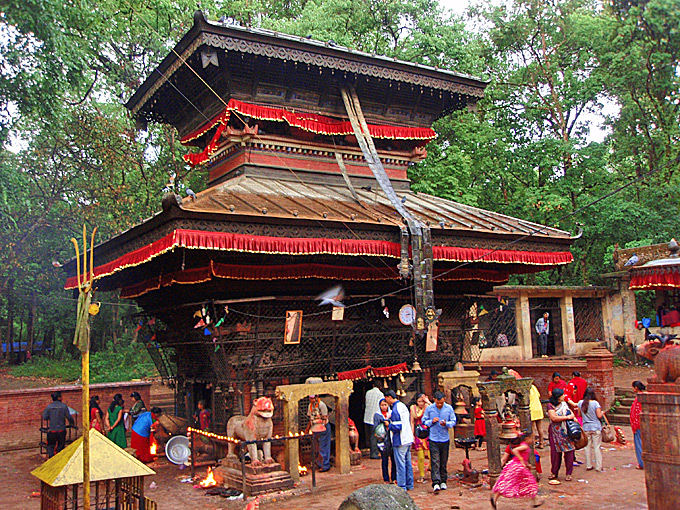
column 20, row 410
column 596, row 367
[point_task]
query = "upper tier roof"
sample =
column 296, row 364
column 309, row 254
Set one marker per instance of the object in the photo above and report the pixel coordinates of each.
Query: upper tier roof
column 271, row 68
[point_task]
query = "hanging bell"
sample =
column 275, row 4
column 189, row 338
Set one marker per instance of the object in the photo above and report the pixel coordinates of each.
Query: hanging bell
column 385, row 385
column 416, row 367
column 508, row 430
column 317, row 426
column 401, row 378
column 460, row 408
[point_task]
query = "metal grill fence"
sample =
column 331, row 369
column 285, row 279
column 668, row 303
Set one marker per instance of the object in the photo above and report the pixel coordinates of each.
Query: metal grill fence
column 588, row 319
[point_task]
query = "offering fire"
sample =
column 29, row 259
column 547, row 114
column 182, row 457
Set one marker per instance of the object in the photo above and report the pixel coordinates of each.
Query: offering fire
column 154, row 447
column 209, row 480
column 302, row 470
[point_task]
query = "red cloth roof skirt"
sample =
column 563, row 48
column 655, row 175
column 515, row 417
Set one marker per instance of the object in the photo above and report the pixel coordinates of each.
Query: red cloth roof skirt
column 663, row 277
column 306, row 121
column 221, row 241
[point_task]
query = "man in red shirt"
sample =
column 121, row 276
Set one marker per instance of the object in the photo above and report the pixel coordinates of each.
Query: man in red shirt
column 577, row 386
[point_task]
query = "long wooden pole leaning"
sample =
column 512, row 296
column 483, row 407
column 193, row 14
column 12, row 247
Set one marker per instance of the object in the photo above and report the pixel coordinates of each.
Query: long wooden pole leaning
column 85, row 280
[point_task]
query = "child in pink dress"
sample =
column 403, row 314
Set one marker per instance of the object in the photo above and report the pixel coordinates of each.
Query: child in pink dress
column 516, row 480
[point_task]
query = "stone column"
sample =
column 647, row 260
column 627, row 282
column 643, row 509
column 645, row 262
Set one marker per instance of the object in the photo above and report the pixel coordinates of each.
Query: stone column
column 342, row 460
column 490, row 391
column 632, row 335
column 568, row 328
column 660, row 429
column 292, row 446
column 524, row 327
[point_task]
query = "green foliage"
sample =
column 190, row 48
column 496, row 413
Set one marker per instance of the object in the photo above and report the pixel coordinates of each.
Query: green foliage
column 525, row 151
column 119, row 362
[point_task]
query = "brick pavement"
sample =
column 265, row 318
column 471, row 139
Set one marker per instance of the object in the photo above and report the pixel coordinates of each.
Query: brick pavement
column 619, row 488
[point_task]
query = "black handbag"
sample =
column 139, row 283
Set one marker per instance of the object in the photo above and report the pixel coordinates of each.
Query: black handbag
column 573, row 430
column 422, row 432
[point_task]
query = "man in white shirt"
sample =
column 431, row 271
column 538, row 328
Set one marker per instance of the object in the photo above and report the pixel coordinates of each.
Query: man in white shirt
column 373, row 398
column 402, row 439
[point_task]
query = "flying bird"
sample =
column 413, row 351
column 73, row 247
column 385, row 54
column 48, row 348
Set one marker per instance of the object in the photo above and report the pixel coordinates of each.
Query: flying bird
column 56, row 263
column 190, row 193
column 332, row 296
column 403, row 199
column 632, row 261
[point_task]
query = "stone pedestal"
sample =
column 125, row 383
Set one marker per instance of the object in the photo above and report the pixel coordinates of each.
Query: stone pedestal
column 355, row 458
column 259, row 479
column 660, row 429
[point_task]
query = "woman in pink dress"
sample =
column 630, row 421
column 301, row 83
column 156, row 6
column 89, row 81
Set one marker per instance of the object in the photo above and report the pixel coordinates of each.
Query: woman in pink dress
column 516, row 480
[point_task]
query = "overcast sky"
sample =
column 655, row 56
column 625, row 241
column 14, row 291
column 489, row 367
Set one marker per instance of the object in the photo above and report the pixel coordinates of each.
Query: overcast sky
column 597, row 131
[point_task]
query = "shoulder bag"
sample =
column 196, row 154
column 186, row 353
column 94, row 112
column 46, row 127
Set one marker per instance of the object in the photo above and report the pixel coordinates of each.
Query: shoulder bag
column 608, row 434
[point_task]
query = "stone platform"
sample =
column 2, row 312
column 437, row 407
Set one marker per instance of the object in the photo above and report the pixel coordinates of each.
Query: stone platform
column 259, row 479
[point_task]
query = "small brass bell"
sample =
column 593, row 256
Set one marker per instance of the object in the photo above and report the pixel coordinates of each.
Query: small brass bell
column 318, row 426
column 401, row 378
column 385, row 385
column 460, row 408
column 508, row 430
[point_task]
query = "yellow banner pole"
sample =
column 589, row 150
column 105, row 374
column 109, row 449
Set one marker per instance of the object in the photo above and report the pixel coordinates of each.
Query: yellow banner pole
column 82, row 339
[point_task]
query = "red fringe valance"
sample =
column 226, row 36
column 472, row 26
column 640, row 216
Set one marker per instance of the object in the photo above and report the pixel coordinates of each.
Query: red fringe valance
column 655, row 280
column 298, row 271
column 306, row 121
column 221, row 241
column 362, row 373
column 390, row 371
column 536, row 258
column 353, row 375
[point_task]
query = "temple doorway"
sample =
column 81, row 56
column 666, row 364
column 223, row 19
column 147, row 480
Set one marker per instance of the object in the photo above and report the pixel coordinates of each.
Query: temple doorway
column 537, row 307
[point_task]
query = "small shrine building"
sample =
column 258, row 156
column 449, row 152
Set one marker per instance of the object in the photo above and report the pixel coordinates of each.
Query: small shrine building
column 307, row 147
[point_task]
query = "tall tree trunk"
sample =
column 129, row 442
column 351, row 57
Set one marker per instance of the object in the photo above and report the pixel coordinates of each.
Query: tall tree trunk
column 21, row 334
column 30, row 328
column 10, row 319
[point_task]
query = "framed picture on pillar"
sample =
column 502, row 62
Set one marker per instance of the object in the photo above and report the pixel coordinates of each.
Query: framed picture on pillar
column 432, row 337
column 293, row 330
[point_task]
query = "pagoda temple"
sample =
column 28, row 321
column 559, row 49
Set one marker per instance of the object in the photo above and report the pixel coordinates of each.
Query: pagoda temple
column 307, row 147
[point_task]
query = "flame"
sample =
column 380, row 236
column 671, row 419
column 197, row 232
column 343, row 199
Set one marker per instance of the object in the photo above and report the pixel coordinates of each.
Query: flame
column 209, row 480
column 154, row 446
column 302, row 470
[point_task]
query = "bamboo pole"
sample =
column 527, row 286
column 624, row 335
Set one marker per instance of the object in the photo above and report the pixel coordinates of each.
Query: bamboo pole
column 82, row 339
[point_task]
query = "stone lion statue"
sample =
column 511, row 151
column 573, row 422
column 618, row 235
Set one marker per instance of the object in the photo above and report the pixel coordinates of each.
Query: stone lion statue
column 257, row 425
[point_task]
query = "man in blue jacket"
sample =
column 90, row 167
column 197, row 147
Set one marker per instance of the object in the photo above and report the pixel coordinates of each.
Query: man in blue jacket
column 402, row 439
column 439, row 418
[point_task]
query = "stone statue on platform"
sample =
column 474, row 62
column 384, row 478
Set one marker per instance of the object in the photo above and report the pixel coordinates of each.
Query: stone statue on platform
column 257, row 425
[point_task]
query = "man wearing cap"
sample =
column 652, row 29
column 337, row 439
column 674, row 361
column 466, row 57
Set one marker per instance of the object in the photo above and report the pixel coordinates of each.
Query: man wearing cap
column 402, row 439
column 56, row 414
column 318, row 411
column 439, row 418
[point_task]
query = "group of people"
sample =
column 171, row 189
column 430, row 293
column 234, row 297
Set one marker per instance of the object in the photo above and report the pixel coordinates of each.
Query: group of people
column 113, row 423
column 395, row 431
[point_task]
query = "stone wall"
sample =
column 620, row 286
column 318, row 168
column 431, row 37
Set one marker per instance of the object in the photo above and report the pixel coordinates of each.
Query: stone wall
column 21, row 410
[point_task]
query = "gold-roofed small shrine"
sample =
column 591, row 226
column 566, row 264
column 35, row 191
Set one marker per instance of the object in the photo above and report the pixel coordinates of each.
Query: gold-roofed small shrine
column 117, row 476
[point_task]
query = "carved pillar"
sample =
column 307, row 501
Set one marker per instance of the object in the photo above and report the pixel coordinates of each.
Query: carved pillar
column 342, row 460
column 490, row 391
column 291, row 447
